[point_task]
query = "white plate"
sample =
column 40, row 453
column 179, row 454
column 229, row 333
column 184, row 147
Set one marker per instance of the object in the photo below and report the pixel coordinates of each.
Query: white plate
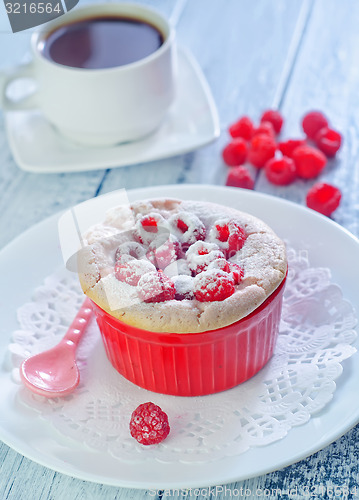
column 192, row 122
column 36, row 254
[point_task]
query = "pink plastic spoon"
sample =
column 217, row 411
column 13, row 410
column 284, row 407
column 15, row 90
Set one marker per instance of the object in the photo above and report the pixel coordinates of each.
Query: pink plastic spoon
column 54, row 373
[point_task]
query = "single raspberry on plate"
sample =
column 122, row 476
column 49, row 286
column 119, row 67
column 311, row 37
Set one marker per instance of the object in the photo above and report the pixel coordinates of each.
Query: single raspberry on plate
column 242, row 128
column 274, row 117
column 309, row 161
column 261, row 149
column 280, row 171
column 213, row 285
column 265, row 128
column 328, row 141
column 312, row 122
column 149, row 424
column 287, row 147
column 235, row 152
column 323, row 198
column 129, row 270
column 155, row 287
column 240, row 177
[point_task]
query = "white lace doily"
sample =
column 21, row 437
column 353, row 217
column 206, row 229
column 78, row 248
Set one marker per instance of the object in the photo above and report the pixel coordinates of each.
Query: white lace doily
column 316, row 334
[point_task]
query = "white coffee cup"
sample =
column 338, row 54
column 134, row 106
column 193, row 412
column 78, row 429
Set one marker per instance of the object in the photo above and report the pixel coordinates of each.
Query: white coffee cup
column 100, row 107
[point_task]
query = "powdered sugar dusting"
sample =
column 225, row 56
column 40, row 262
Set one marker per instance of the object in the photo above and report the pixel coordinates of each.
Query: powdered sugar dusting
column 131, row 271
column 187, row 227
column 184, row 287
column 156, row 287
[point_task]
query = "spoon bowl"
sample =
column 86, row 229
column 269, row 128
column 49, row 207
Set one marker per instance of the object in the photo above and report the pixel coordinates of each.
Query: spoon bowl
column 54, row 373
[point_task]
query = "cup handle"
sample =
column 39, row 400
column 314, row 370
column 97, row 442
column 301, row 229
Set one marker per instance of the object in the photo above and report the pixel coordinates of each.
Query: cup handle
column 6, row 77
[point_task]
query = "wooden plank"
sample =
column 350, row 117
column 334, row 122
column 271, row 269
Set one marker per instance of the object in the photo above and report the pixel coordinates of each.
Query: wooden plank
column 326, row 78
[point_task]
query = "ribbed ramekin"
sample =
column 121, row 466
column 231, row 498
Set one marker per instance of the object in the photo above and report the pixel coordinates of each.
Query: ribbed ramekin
column 193, row 364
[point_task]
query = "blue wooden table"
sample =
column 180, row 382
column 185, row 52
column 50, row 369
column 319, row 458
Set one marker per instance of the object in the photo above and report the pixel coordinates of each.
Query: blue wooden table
column 294, row 55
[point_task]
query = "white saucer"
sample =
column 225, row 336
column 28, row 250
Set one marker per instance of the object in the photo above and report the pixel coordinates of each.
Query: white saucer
column 192, row 122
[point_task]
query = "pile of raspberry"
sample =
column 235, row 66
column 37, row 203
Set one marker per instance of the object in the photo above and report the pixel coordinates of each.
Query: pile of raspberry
column 149, row 424
column 180, row 259
column 284, row 161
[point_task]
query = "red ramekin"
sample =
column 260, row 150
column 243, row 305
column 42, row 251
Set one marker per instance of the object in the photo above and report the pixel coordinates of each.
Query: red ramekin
column 193, row 364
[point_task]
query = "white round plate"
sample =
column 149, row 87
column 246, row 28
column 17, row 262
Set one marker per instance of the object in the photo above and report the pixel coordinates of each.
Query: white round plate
column 36, row 254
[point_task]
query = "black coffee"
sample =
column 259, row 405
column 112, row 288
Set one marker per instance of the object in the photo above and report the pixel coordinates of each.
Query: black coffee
column 102, row 42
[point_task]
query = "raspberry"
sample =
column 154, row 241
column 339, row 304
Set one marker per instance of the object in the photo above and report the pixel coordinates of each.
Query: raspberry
column 188, row 228
column 221, row 264
column 182, row 226
column 201, row 254
column 240, row 177
column 151, row 226
column 242, row 128
column 287, row 147
column 312, row 122
column 213, row 285
column 162, row 254
column 280, row 171
column 262, row 149
column 156, row 287
column 265, row 128
column 274, row 117
column 229, row 235
column 149, row 424
column 328, row 141
column 231, row 268
column 130, row 271
column 236, row 240
column 237, row 272
column 222, row 232
column 235, row 153
column 131, row 248
column 309, row 161
column 323, row 198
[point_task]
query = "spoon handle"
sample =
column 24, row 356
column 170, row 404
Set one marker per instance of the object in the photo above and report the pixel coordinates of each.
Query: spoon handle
column 79, row 323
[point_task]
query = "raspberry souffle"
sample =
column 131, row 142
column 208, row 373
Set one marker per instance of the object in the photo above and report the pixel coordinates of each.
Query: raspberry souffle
column 187, row 294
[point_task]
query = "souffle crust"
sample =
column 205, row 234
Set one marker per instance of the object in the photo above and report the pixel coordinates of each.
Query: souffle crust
column 168, row 265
